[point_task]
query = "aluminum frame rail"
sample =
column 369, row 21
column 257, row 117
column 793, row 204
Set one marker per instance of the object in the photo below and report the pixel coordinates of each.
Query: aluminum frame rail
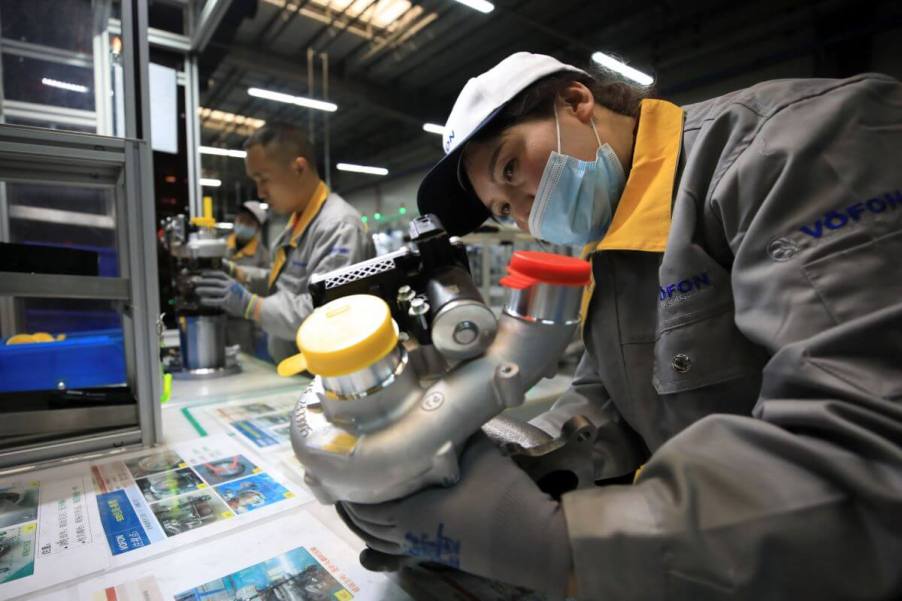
column 60, row 158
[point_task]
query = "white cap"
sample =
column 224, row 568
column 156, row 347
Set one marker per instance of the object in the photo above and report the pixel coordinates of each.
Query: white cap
column 484, row 94
column 256, row 209
column 441, row 191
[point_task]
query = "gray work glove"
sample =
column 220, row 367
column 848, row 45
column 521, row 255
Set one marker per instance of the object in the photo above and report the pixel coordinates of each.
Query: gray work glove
column 216, row 289
column 495, row 522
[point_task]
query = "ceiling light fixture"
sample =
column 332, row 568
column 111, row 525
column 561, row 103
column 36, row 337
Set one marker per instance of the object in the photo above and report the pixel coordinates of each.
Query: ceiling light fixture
column 434, row 128
column 480, row 5
column 609, row 62
column 309, row 103
column 210, row 182
column 223, row 152
column 64, row 85
column 361, row 169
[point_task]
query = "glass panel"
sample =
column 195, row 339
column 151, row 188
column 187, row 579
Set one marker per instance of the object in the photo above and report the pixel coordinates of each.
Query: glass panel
column 166, row 16
column 59, row 71
column 58, row 23
column 65, row 217
column 65, row 373
column 46, row 82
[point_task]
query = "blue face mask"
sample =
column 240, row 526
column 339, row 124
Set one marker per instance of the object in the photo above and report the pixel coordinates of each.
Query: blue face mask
column 244, row 232
column 576, row 199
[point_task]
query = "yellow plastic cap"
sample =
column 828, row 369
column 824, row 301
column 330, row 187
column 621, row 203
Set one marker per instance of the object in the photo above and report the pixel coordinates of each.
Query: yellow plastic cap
column 347, row 335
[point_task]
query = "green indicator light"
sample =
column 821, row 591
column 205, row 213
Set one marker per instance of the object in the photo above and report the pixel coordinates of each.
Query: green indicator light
column 377, row 216
column 364, row 219
column 402, row 210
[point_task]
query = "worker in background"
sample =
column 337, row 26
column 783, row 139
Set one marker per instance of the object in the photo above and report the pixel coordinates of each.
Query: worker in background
column 743, row 339
column 323, row 233
column 246, row 249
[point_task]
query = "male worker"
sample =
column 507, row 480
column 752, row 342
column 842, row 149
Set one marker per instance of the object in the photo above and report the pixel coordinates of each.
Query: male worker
column 246, row 249
column 323, row 233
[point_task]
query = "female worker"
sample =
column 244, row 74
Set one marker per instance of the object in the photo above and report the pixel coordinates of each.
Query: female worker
column 743, row 339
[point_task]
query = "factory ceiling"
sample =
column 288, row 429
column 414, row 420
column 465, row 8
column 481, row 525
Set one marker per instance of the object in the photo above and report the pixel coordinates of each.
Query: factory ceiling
column 393, row 65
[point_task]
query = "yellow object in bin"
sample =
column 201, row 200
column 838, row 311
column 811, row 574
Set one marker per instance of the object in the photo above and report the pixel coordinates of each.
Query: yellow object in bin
column 343, row 336
column 32, row 338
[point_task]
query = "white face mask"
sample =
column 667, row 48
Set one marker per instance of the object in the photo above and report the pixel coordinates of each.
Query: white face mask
column 576, row 199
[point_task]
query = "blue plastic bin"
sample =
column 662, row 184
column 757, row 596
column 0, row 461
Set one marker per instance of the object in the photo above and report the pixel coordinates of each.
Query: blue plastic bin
column 69, row 320
column 82, row 360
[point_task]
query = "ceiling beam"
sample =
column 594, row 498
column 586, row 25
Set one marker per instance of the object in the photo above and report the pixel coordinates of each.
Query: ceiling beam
column 210, row 17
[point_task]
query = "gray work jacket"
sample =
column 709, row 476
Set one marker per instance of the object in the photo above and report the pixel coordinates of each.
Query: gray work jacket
column 336, row 237
column 753, row 363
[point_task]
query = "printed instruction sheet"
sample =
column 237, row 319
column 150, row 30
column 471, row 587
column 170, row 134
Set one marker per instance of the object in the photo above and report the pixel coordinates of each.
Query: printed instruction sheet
column 49, row 530
column 291, row 556
column 264, row 422
column 185, row 492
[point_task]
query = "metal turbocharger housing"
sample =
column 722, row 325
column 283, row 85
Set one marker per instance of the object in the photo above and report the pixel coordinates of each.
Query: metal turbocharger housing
column 386, row 415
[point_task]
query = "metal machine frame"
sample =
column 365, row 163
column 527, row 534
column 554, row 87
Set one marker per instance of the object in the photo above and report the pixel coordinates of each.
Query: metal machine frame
column 124, row 167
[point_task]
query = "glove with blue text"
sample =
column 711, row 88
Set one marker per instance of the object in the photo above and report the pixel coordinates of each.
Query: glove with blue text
column 495, row 522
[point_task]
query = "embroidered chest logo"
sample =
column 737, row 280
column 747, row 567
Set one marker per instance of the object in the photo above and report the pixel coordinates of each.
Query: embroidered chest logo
column 838, row 219
column 685, row 287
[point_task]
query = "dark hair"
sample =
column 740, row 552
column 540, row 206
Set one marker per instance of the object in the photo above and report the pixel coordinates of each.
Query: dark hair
column 537, row 100
column 283, row 140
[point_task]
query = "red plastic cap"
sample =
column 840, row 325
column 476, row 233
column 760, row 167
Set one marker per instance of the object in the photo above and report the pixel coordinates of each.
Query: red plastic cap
column 528, row 267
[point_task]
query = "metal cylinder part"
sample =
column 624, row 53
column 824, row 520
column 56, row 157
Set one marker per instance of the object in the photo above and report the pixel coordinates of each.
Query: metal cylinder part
column 365, row 381
column 372, row 408
column 407, row 434
column 203, row 341
column 405, row 295
column 418, row 314
column 463, row 329
column 546, row 303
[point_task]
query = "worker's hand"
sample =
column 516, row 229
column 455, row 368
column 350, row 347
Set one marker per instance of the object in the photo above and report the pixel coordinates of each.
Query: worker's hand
column 234, row 270
column 216, row 289
column 495, row 522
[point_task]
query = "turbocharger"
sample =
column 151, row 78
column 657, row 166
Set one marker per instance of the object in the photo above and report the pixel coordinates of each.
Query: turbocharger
column 409, row 362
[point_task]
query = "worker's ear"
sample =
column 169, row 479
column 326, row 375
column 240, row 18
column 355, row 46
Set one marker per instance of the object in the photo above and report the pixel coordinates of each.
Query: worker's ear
column 300, row 165
column 577, row 99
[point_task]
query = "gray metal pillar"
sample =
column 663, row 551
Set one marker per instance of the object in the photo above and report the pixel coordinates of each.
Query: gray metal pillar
column 192, row 129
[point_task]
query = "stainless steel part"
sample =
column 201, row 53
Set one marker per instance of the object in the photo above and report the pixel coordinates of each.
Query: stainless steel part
column 203, row 244
column 201, row 247
column 203, row 341
column 365, row 381
column 418, row 312
column 545, row 303
column 463, row 329
column 406, row 435
column 207, row 373
column 378, row 406
column 405, row 294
